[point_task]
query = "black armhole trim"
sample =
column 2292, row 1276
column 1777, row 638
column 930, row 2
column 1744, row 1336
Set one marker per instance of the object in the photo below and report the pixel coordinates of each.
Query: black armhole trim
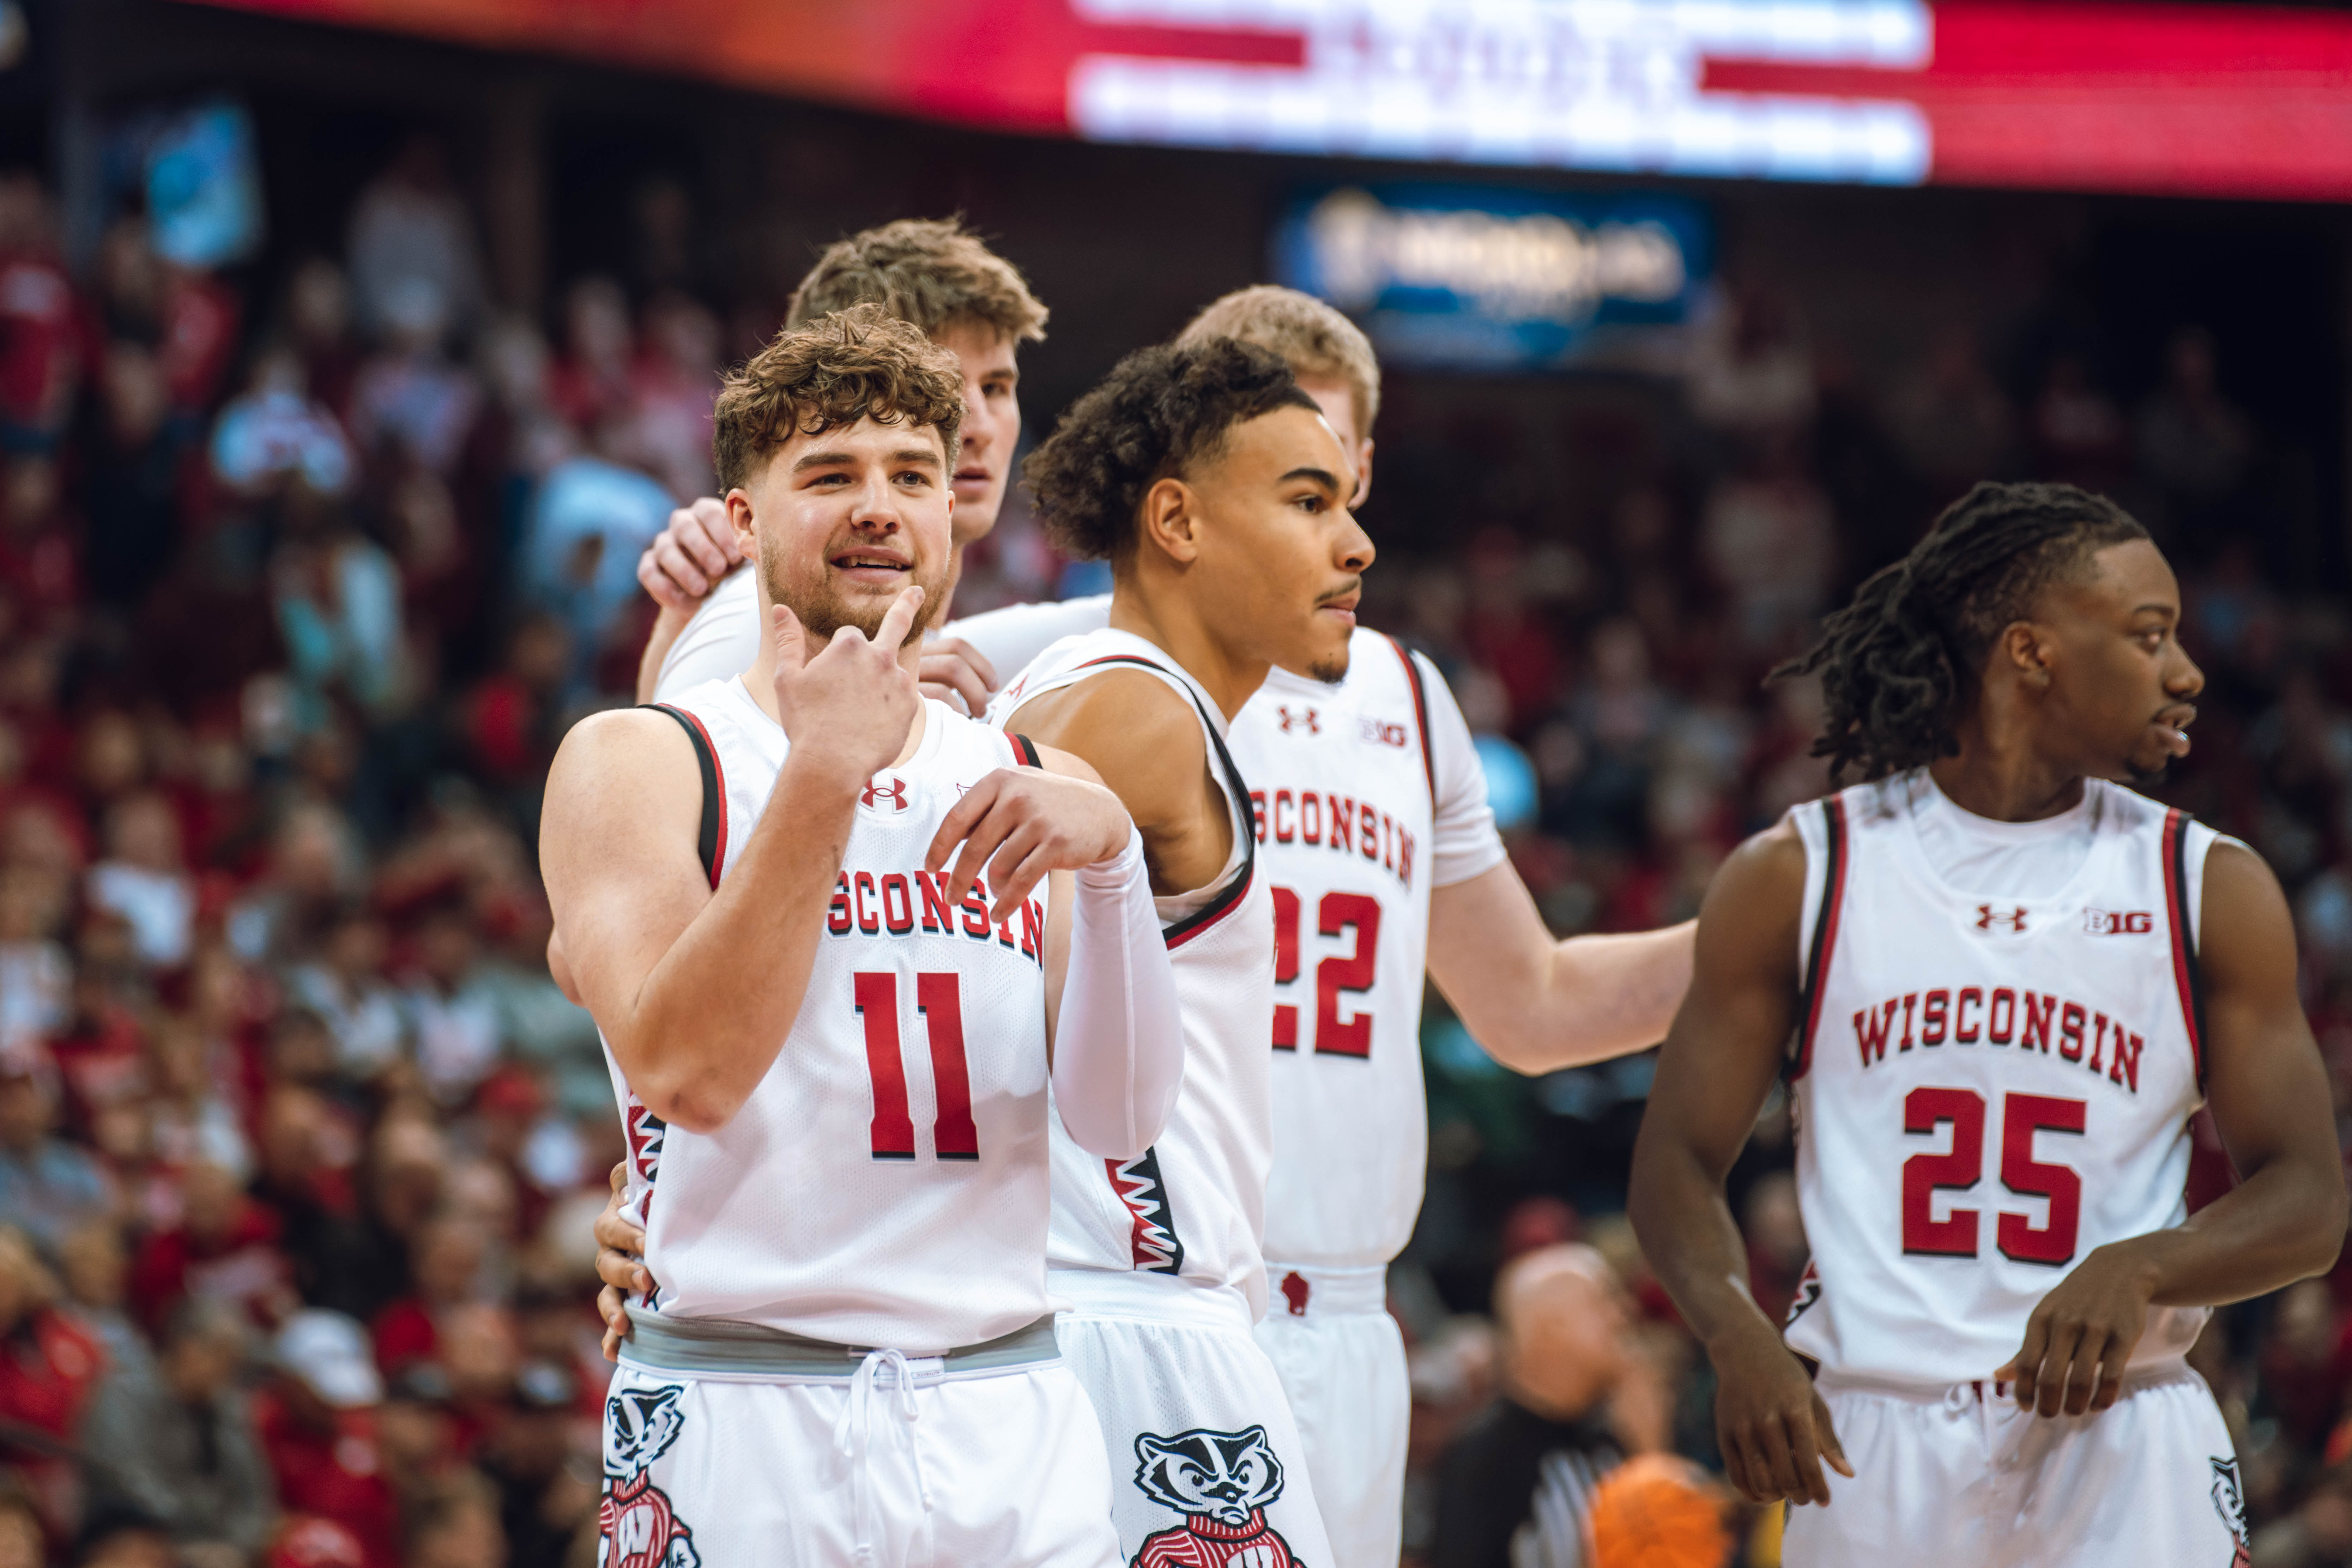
column 1823, row 945
column 1420, row 717
column 1237, row 889
column 706, row 843
column 1024, row 749
column 2186, row 935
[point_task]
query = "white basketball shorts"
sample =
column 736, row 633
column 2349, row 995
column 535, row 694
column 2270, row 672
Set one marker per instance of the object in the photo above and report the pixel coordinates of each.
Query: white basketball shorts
column 1964, row 1476
column 1206, row 1465
column 898, row 1466
column 1329, row 1335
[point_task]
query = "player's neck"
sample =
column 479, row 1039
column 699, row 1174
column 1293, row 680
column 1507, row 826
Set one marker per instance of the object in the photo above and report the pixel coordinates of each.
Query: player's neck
column 1169, row 619
column 2005, row 779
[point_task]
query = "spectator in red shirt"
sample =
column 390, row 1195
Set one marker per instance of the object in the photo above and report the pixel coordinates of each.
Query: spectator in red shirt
column 446, row 1273
column 226, row 1248
column 43, row 337
column 317, row 1421
column 48, row 1366
column 590, row 384
column 40, row 549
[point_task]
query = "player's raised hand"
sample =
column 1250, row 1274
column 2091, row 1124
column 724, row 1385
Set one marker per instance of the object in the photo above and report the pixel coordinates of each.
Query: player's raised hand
column 1774, row 1432
column 687, row 558
column 2081, row 1335
column 1021, row 823
column 952, row 670
column 850, row 697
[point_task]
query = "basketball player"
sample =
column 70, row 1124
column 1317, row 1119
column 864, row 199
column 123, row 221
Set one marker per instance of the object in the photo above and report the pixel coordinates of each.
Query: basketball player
column 852, row 1354
column 1350, row 1117
column 1999, row 983
column 1217, row 492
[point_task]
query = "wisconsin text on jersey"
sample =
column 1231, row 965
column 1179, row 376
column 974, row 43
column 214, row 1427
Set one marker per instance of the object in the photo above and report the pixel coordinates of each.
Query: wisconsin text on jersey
column 1968, row 1015
column 908, row 904
column 1339, row 822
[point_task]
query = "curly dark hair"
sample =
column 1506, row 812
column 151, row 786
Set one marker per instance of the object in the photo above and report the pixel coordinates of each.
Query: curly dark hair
column 850, row 365
column 1158, row 412
column 1897, row 663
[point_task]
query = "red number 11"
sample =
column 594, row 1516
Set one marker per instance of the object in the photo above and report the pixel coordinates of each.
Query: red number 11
column 939, row 998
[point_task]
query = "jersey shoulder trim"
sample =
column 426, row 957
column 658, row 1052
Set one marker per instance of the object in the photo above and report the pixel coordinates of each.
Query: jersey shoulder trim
column 1024, row 751
column 1825, row 935
column 2187, row 978
column 1420, row 714
column 710, row 841
column 1230, row 896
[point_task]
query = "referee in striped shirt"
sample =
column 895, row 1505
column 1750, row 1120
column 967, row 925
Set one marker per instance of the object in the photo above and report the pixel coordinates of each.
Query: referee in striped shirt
column 1516, row 1482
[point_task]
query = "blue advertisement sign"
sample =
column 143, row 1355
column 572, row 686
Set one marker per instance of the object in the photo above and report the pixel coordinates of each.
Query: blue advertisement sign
column 1470, row 278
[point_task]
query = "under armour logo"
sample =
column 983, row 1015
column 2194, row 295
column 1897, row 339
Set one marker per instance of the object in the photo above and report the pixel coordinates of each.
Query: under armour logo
column 1295, row 1290
column 1307, row 720
column 894, row 792
column 1988, row 918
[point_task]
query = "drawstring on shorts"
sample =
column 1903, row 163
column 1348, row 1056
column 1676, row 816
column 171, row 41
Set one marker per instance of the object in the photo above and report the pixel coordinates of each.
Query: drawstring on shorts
column 853, row 1436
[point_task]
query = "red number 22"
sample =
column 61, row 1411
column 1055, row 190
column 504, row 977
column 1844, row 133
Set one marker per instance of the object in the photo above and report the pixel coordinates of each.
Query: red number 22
column 1338, row 975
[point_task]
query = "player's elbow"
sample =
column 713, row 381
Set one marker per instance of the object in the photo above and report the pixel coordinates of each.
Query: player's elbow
column 2329, row 1211
column 687, row 1101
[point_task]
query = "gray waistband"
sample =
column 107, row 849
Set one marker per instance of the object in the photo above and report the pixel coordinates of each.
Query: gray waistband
column 715, row 1347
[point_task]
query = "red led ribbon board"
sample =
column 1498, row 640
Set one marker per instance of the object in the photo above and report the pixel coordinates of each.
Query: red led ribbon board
column 2179, row 100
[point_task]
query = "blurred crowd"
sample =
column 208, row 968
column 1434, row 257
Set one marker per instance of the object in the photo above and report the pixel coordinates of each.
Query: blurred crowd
column 298, row 1141
column 303, row 572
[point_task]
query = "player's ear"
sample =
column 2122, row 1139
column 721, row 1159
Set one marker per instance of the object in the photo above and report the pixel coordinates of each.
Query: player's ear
column 1363, row 475
column 2024, row 649
column 1170, row 520
column 739, row 515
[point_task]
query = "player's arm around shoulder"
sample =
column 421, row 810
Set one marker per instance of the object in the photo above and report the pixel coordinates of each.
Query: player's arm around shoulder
column 1145, row 742
column 1720, row 1060
column 616, row 847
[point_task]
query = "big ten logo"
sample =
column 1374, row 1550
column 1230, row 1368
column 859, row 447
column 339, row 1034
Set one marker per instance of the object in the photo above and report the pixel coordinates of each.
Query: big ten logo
column 2118, row 923
column 1381, row 731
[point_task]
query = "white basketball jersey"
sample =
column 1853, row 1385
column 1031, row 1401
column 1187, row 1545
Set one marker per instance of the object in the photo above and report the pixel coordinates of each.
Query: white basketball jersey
column 1193, row 1205
column 886, row 1184
column 1343, row 782
column 1988, row 1086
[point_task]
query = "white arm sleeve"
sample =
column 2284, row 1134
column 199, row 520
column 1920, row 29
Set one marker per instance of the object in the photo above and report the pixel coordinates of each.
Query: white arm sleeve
column 1012, row 637
column 1467, row 843
column 1118, row 1053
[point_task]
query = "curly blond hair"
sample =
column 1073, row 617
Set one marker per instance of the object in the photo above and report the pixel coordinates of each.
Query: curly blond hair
column 934, row 272
column 859, row 364
column 1313, row 338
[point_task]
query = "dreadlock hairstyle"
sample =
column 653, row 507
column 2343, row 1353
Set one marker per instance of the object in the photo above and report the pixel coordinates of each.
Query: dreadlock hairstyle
column 1899, row 663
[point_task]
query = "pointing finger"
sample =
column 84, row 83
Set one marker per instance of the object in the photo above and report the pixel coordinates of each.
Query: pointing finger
column 960, row 819
column 891, row 636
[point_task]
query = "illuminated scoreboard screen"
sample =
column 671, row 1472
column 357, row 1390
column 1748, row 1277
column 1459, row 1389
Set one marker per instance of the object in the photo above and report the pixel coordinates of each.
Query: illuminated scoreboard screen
column 2175, row 98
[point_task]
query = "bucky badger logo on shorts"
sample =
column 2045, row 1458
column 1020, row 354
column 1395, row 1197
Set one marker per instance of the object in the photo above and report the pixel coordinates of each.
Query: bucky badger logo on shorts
column 2230, row 1502
column 636, row 1526
column 1221, row 1482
